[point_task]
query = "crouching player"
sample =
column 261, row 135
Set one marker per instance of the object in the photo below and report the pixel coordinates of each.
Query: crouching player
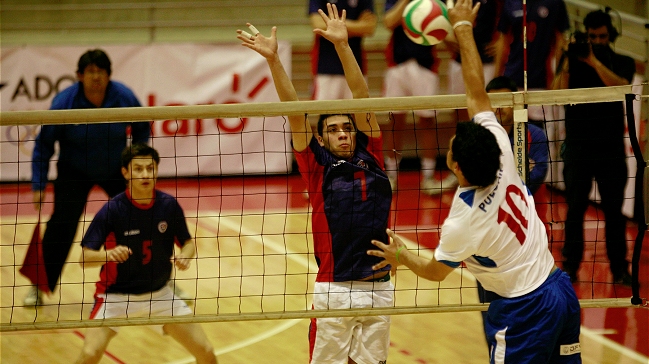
column 138, row 229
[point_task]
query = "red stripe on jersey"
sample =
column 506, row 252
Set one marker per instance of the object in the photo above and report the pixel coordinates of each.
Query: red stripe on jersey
column 108, row 274
column 99, row 301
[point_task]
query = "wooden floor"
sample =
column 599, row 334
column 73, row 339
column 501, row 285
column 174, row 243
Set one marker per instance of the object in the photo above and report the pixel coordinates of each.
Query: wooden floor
column 262, row 261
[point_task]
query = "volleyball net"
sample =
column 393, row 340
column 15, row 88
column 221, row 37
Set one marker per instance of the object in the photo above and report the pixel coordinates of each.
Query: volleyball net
column 253, row 232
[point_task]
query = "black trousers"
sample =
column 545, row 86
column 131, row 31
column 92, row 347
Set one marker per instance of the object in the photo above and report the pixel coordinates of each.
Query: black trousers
column 71, row 191
column 610, row 173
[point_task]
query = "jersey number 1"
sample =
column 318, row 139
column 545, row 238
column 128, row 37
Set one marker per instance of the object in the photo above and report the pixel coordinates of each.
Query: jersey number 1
column 517, row 222
column 361, row 175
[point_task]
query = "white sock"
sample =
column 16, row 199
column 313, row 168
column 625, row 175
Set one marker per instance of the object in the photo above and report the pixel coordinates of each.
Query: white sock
column 427, row 167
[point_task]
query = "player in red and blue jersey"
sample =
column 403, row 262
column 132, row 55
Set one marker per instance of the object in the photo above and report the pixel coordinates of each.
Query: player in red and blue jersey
column 328, row 75
column 138, row 230
column 493, row 228
column 350, row 195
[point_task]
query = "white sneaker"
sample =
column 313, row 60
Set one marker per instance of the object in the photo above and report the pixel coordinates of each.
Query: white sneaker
column 431, row 186
column 33, row 298
column 178, row 292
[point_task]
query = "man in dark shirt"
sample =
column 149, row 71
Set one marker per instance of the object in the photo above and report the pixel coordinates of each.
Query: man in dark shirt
column 594, row 146
column 89, row 155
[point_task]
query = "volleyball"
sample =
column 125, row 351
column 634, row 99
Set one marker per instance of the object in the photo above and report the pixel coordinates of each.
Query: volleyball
column 426, row 22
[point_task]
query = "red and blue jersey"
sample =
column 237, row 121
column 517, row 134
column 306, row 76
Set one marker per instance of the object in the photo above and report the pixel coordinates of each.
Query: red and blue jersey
column 351, row 206
column 324, row 59
column 150, row 231
column 401, row 49
column 544, row 19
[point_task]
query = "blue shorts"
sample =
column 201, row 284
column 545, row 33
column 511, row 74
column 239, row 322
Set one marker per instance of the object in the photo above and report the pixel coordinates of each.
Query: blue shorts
column 539, row 327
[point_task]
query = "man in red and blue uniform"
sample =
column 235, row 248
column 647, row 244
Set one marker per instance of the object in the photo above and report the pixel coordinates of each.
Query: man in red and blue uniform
column 350, row 193
column 138, row 230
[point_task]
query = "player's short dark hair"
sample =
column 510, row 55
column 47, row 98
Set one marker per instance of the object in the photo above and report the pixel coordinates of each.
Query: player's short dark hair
column 502, row 82
column 324, row 117
column 94, row 56
column 138, row 150
column 476, row 151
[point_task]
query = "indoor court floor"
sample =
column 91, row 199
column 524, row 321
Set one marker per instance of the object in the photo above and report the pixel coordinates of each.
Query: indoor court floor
column 262, row 260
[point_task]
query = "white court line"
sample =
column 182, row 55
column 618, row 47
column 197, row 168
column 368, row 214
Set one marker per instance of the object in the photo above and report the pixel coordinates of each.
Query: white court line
column 269, row 242
column 243, row 343
column 615, row 346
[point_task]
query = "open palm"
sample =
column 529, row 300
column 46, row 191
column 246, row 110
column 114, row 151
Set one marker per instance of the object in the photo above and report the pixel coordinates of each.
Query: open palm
column 336, row 31
column 267, row 47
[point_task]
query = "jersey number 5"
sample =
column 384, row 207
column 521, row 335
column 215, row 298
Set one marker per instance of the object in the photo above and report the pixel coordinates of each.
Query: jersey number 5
column 517, row 222
column 146, row 252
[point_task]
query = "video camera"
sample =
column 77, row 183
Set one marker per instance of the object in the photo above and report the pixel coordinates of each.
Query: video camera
column 579, row 47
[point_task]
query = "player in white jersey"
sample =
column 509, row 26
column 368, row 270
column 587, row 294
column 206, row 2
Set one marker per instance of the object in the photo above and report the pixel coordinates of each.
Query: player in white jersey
column 493, row 228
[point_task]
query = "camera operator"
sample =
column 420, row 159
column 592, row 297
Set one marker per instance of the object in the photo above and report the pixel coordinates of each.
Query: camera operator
column 594, row 145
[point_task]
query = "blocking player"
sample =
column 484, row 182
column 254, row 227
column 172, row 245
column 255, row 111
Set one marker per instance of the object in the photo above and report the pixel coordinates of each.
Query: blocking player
column 138, row 229
column 493, row 228
column 350, row 195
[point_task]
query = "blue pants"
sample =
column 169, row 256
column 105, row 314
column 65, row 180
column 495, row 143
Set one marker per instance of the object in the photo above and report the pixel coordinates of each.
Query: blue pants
column 539, row 327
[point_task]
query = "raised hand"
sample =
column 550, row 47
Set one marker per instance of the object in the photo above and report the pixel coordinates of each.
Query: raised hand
column 336, row 31
column 267, row 47
column 463, row 10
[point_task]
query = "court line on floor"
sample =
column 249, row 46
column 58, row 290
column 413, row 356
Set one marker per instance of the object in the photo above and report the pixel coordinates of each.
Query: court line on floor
column 267, row 242
column 613, row 345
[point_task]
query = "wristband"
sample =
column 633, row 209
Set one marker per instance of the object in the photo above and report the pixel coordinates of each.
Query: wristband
column 462, row 22
column 397, row 253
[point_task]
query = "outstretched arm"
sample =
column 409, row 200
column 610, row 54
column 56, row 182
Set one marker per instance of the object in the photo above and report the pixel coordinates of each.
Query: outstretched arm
column 462, row 17
column 396, row 253
column 267, row 47
column 336, row 33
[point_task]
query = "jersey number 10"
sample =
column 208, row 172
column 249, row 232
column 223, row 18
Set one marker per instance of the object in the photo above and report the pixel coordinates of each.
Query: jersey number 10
column 517, row 222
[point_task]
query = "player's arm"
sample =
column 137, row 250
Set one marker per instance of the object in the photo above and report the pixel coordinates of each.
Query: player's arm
column 462, row 17
column 500, row 49
column 396, row 253
column 96, row 258
column 561, row 79
column 187, row 252
column 393, row 17
column 267, row 47
column 336, row 33
column 43, row 151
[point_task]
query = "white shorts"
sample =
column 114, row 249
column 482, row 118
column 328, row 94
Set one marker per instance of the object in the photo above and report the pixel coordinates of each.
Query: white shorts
column 159, row 303
column 331, row 87
column 411, row 79
column 456, row 81
column 364, row 339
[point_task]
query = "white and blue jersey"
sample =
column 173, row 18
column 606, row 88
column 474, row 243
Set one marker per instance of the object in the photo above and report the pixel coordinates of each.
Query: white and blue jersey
column 495, row 230
column 497, row 233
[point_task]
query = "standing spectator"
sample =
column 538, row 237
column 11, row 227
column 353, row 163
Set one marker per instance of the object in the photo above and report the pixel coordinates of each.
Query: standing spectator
column 138, row 230
column 329, row 78
column 350, row 193
column 547, row 23
column 492, row 227
column 89, row 155
column 412, row 71
column 594, row 145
